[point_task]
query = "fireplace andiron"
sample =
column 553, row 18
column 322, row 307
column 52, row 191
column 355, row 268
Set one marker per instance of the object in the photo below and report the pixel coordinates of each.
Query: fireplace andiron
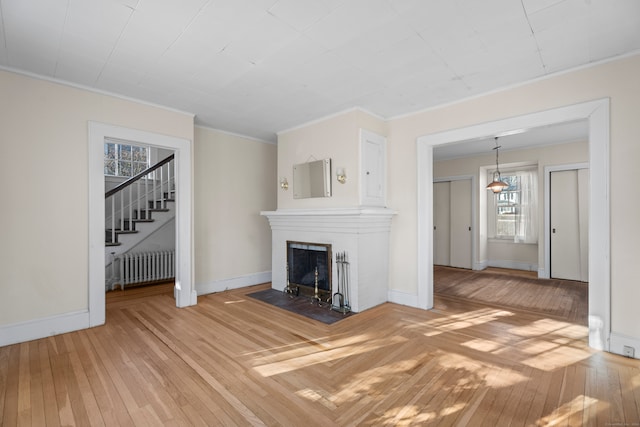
column 316, row 296
column 290, row 290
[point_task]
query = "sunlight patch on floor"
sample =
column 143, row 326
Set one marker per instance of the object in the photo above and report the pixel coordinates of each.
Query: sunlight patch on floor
column 461, row 321
column 317, row 396
column 562, row 414
column 324, row 356
column 549, row 326
column 302, row 348
column 556, row 358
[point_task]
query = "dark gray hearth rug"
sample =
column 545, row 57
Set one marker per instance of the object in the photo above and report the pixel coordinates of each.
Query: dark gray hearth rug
column 300, row 305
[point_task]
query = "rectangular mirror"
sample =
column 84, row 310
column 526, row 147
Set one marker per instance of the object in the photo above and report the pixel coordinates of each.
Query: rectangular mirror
column 312, row 179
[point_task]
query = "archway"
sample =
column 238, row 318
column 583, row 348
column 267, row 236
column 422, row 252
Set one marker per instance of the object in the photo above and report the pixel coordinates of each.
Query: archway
column 597, row 114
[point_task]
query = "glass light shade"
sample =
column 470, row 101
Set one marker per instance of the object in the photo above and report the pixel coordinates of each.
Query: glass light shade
column 497, row 186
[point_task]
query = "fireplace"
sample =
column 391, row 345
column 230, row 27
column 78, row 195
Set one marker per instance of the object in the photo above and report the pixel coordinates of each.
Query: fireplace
column 362, row 233
column 303, row 260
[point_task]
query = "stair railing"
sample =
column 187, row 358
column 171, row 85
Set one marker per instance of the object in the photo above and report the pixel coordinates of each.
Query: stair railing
column 134, row 195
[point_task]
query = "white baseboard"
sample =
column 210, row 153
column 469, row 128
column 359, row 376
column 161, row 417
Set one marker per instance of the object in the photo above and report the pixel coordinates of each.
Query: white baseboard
column 233, row 283
column 480, row 265
column 618, row 341
column 514, row 265
column 402, row 298
column 43, row 327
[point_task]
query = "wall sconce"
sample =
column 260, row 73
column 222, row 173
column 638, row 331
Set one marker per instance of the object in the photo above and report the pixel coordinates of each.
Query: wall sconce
column 341, row 175
column 284, row 184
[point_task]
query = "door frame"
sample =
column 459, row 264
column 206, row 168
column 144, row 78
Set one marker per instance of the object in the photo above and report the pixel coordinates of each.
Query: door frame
column 184, row 291
column 474, row 192
column 597, row 114
column 546, row 272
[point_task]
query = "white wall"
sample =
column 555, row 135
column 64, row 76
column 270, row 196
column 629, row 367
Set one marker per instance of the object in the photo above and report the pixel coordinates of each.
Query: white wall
column 235, row 179
column 45, row 243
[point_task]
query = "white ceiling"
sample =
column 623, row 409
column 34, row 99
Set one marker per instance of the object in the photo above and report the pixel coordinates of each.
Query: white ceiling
column 256, row 67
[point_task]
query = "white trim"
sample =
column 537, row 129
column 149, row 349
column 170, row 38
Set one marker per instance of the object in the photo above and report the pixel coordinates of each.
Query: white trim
column 184, row 212
column 597, row 113
column 513, row 265
column 43, row 327
column 402, row 298
column 233, row 283
column 547, row 210
column 474, row 228
column 618, row 341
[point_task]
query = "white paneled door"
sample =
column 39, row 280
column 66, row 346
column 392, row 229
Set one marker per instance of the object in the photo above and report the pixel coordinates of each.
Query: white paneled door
column 452, row 223
column 441, row 223
column 570, row 224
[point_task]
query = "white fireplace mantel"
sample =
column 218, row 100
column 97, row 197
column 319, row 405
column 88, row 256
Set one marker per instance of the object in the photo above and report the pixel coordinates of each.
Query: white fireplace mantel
column 362, row 232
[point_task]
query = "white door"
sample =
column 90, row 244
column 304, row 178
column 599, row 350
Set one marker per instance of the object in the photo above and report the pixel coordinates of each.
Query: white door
column 461, row 223
column 569, row 224
column 452, row 223
column 441, row 223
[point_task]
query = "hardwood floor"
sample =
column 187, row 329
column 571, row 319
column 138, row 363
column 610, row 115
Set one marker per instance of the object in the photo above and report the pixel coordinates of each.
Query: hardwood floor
column 563, row 299
column 233, row 360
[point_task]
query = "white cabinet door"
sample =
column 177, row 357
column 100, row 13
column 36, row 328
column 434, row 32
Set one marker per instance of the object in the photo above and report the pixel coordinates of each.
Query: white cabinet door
column 569, row 225
column 372, row 169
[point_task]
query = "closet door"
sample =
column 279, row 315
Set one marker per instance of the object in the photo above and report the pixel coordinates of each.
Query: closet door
column 461, row 223
column 452, row 223
column 441, row 223
column 569, row 225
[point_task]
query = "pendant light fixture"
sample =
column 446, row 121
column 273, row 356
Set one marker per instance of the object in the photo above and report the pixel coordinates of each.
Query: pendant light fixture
column 497, row 185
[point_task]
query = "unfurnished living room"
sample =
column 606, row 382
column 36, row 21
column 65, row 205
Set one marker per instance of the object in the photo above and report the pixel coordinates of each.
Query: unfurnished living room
column 319, row 212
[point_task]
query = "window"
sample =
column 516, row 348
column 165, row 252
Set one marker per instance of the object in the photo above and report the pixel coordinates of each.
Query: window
column 515, row 208
column 124, row 159
column 507, row 207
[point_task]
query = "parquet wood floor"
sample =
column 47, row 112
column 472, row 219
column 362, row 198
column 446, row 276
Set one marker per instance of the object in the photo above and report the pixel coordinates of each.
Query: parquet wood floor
column 564, row 299
column 233, row 360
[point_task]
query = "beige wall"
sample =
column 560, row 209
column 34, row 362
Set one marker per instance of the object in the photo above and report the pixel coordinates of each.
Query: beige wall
column 234, row 179
column 45, row 214
column 574, row 152
column 616, row 80
column 336, row 137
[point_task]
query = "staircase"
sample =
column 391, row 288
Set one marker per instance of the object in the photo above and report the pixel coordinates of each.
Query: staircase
column 135, row 210
column 153, row 215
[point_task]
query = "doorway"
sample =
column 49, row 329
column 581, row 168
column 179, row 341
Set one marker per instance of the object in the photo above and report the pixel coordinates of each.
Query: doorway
column 567, row 222
column 184, row 291
column 596, row 113
column 140, row 212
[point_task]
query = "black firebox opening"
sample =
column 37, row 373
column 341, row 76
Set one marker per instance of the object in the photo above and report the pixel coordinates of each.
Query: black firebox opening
column 302, row 261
